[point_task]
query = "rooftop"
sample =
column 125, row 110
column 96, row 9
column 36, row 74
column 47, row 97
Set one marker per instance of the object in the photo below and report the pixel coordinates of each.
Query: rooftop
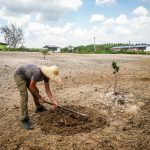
column 132, row 46
column 51, row 46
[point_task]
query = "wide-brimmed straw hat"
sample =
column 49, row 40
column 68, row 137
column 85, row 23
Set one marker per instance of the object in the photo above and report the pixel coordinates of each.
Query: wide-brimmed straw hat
column 51, row 72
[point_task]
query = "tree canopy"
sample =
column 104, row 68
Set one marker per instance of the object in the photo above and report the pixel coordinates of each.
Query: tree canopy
column 13, row 35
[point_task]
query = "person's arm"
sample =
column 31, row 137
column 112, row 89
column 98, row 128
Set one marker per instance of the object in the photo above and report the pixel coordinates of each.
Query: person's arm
column 50, row 95
column 33, row 88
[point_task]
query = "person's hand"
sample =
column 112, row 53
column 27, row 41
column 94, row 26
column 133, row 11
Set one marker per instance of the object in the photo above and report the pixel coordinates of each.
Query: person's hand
column 41, row 101
column 55, row 105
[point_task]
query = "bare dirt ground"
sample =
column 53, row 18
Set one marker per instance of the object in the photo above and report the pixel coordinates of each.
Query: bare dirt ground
column 87, row 88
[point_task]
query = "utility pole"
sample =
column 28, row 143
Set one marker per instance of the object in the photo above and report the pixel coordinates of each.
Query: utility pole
column 94, row 44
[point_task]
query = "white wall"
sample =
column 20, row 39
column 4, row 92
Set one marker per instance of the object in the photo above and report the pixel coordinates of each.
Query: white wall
column 57, row 51
column 148, row 48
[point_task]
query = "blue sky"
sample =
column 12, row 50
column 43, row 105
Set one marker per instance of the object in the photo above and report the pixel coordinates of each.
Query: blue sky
column 76, row 22
column 110, row 10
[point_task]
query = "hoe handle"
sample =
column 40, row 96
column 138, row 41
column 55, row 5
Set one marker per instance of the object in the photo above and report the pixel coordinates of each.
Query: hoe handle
column 64, row 108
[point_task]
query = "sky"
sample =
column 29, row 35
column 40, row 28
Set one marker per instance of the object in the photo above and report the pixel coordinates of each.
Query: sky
column 77, row 22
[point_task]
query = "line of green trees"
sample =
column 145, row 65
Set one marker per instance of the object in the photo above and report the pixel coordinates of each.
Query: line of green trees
column 22, row 49
column 88, row 49
column 99, row 48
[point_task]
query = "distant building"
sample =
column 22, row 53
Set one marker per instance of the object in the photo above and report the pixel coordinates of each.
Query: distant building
column 131, row 47
column 53, row 48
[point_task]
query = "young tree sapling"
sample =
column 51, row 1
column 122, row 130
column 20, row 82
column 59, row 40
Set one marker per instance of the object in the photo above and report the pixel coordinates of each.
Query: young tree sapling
column 44, row 52
column 115, row 72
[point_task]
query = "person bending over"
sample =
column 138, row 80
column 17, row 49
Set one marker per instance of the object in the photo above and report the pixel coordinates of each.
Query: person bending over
column 26, row 77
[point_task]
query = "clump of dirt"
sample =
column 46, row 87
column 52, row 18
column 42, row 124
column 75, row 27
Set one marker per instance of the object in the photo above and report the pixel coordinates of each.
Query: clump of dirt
column 63, row 122
column 145, row 79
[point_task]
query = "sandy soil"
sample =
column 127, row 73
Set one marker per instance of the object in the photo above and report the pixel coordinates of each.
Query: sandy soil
column 115, row 122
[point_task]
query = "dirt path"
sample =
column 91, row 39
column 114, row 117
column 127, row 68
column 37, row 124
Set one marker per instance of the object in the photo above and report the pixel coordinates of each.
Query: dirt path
column 87, row 88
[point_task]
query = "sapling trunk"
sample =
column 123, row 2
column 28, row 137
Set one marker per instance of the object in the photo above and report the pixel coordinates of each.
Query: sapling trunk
column 115, row 83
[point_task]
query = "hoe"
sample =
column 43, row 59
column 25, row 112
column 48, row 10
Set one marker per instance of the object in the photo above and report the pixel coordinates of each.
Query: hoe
column 72, row 111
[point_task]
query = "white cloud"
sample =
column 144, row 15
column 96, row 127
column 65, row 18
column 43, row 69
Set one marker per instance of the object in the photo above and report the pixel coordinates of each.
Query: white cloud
column 101, row 2
column 19, row 20
column 119, row 29
column 123, row 31
column 72, row 4
column 134, row 29
column 122, row 19
column 97, row 18
column 37, row 34
column 108, row 26
column 140, row 11
column 43, row 10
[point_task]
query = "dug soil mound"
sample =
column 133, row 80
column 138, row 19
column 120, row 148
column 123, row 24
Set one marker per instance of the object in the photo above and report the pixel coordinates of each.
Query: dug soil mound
column 63, row 122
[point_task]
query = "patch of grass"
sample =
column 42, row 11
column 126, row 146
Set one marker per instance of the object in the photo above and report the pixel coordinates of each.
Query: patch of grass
column 22, row 49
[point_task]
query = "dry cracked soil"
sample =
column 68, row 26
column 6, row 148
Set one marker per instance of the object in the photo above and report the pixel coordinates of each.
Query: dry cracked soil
column 113, row 122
